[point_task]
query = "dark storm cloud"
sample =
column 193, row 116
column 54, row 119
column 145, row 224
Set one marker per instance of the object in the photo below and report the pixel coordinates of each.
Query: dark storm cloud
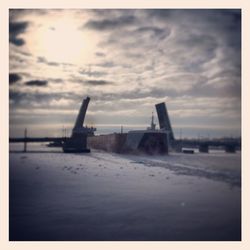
column 156, row 32
column 193, row 50
column 44, row 60
column 133, row 95
column 14, row 77
column 19, row 59
column 159, row 13
column 16, row 29
column 226, row 21
column 138, row 40
column 98, row 82
column 15, row 14
column 16, row 96
column 76, row 79
column 39, row 83
column 92, row 73
column 27, row 100
column 169, row 14
column 55, row 80
column 228, row 25
column 222, row 22
column 203, row 90
column 94, row 82
column 111, row 23
column 199, row 90
column 202, row 40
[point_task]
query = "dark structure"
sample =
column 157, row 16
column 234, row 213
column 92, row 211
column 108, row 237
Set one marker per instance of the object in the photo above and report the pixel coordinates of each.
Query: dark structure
column 230, row 145
column 147, row 141
column 76, row 143
column 110, row 142
column 150, row 141
column 78, row 140
column 164, row 121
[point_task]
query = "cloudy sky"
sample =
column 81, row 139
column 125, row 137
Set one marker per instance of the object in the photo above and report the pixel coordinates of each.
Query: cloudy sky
column 126, row 61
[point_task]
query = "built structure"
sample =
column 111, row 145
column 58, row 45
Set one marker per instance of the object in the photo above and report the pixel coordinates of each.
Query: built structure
column 77, row 142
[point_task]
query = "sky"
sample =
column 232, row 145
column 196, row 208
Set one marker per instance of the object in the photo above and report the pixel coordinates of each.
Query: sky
column 126, row 61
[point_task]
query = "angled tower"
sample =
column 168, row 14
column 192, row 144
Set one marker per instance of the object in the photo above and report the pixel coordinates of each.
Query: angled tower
column 78, row 127
column 78, row 140
column 164, row 121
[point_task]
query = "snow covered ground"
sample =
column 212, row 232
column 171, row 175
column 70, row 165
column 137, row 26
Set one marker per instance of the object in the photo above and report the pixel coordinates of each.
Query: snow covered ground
column 103, row 196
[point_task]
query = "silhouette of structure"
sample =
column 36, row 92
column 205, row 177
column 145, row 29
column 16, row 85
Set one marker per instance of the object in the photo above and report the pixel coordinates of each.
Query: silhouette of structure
column 150, row 140
column 164, row 121
column 76, row 143
column 78, row 140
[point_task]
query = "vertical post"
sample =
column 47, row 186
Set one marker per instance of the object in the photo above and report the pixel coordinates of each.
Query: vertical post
column 25, row 141
column 121, row 129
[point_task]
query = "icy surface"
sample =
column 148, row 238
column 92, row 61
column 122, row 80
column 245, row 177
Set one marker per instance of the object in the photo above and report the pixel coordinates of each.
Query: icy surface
column 103, row 196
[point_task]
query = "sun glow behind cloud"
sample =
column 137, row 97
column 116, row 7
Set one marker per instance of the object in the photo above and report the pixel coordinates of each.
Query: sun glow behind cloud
column 59, row 39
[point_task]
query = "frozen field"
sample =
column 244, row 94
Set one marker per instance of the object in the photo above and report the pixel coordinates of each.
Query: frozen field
column 103, row 196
